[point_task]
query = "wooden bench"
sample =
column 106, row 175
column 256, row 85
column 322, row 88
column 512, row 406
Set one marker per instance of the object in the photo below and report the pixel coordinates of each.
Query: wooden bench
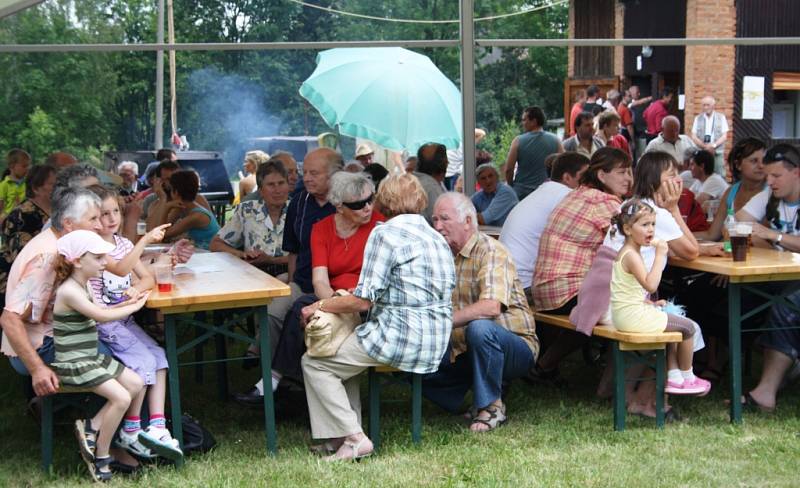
column 66, row 396
column 374, row 394
column 622, row 342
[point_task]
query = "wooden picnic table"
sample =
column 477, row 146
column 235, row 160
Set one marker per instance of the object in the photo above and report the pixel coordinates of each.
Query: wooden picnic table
column 211, row 282
column 762, row 266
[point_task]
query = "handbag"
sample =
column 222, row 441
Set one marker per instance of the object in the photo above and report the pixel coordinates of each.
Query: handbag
column 325, row 331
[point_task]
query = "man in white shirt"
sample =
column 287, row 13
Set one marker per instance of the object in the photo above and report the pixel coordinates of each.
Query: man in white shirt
column 670, row 140
column 774, row 213
column 525, row 223
column 706, row 184
column 710, row 131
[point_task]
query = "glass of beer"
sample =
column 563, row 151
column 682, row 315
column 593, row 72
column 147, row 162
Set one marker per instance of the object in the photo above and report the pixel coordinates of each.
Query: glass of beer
column 740, row 240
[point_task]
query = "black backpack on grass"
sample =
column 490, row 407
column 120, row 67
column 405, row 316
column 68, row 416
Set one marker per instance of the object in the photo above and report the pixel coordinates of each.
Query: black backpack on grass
column 196, row 439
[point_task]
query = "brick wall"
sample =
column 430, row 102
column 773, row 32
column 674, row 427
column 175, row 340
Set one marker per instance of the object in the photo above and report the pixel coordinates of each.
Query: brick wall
column 710, row 69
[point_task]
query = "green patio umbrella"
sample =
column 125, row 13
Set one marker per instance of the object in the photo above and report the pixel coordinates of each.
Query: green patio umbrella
column 391, row 96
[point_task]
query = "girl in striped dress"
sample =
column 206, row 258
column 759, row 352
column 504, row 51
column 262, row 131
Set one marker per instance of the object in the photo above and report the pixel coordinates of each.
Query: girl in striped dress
column 82, row 255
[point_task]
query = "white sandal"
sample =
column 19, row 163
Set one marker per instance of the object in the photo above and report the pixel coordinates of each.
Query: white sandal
column 355, row 448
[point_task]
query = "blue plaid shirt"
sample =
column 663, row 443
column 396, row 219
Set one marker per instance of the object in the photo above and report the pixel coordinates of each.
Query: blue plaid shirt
column 409, row 276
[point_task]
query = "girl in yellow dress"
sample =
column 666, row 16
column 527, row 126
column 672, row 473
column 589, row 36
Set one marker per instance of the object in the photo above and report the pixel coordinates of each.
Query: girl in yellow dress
column 632, row 311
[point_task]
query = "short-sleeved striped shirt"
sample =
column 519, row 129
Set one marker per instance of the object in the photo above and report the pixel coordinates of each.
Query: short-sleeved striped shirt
column 574, row 232
column 485, row 271
column 408, row 275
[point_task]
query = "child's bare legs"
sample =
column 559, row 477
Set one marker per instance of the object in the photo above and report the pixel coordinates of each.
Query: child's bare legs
column 681, row 379
column 119, row 393
column 157, row 393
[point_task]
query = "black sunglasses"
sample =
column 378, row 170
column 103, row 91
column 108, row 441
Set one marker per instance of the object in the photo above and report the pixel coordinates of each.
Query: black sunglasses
column 359, row 204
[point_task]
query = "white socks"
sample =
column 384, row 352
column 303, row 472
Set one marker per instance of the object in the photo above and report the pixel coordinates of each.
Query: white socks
column 679, row 376
column 675, row 376
column 276, row 378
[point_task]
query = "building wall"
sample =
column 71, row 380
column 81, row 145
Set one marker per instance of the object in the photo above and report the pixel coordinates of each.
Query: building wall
column 764, row 18
column 710, row 69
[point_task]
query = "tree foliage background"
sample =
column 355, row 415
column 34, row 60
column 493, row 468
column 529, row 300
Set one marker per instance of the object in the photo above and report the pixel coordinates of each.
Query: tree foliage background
column 87, row 103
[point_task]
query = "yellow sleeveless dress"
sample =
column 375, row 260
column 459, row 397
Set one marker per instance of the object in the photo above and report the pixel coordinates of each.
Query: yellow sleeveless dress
column 629, row 312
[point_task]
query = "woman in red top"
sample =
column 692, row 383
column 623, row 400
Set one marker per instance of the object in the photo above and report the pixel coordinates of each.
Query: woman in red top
column 608, row 131
column 337, row 252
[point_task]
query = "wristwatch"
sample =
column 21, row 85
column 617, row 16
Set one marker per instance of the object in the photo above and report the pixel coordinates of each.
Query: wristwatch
column 779, row 238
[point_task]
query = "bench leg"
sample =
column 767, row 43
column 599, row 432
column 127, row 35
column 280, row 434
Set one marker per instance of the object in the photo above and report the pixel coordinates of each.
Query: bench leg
column 374, row 408
column 416, row 408
column 173, row 376
column 619, row 386
column 47, row 433
column 660, row 366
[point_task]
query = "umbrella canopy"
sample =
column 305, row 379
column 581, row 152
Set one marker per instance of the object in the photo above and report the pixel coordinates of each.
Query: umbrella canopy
column 389, row 95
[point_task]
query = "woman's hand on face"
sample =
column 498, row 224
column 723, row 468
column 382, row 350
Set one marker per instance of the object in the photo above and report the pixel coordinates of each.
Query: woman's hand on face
column 668, row 195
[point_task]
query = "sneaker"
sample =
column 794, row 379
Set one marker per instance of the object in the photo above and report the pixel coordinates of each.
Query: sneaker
column 130, row 442
column 160, row 441
column 697, row 386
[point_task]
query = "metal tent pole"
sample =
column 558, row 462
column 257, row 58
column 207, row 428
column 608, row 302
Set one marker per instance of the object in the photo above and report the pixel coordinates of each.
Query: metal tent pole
column 158, row 137
column 467, row 15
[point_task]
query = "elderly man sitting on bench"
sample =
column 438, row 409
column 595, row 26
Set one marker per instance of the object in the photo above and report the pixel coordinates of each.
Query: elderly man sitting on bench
column 494, row 336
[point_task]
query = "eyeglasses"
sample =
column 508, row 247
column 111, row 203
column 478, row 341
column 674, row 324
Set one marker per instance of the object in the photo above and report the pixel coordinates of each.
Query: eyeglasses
column 359, row 204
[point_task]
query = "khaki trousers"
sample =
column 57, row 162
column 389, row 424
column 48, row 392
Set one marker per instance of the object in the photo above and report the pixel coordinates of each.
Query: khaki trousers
column 332, row 390
column 276, row 312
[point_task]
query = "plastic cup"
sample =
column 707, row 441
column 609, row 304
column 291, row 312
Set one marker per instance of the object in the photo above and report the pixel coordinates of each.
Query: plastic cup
column 141, row 228
column 711, row 208
column 740, row 240
column 165, row 280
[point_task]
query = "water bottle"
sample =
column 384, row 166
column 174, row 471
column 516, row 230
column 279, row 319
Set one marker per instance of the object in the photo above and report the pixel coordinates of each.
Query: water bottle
column 730, row 225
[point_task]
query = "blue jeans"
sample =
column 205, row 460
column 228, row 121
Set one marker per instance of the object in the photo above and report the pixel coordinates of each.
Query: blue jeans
column 493, row 354
column 47, row 352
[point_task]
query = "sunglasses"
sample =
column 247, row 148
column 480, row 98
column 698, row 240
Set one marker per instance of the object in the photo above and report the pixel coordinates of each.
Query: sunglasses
column 359, row 204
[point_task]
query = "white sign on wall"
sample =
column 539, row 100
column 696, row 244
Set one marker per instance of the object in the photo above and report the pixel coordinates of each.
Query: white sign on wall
column 753, row 97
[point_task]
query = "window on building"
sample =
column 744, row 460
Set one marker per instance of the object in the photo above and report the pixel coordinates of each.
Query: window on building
column 786, row 105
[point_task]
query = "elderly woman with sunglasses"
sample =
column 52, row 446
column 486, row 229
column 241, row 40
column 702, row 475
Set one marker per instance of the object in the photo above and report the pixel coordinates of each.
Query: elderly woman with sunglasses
column 337, row 252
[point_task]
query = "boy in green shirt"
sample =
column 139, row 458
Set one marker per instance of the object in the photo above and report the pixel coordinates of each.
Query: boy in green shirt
column 12, row 188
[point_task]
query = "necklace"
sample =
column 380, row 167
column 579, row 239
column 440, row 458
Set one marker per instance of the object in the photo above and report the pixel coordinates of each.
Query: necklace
column 340, row 235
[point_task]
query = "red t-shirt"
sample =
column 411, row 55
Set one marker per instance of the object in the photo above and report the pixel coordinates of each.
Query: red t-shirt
column 619, row 142
column 653, row 115
column 576, row 109
column 342, row 257
column 624, row 115
column 692, row 212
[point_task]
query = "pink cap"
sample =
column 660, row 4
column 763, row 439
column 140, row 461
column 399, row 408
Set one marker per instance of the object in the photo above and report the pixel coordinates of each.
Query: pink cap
column 78, row 242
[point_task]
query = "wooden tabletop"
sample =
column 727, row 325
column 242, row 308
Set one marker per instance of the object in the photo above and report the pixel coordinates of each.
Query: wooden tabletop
column 761, row 265
column 217, row 280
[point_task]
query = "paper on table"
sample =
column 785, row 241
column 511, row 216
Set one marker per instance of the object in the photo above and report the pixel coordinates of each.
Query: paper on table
column 203, row 268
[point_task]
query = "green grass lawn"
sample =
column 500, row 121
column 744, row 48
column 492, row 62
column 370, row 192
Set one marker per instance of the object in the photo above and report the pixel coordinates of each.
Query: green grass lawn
column 555, row 437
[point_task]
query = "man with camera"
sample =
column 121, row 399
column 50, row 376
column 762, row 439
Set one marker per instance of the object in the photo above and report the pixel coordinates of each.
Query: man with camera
column 710, row 131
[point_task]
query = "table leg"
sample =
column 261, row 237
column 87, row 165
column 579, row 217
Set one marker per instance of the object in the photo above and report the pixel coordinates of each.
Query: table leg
column 266, row 374
column 735, row 350
column 174, row 378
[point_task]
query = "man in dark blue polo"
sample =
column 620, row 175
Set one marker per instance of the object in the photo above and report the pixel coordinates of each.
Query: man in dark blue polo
column 307, row 207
